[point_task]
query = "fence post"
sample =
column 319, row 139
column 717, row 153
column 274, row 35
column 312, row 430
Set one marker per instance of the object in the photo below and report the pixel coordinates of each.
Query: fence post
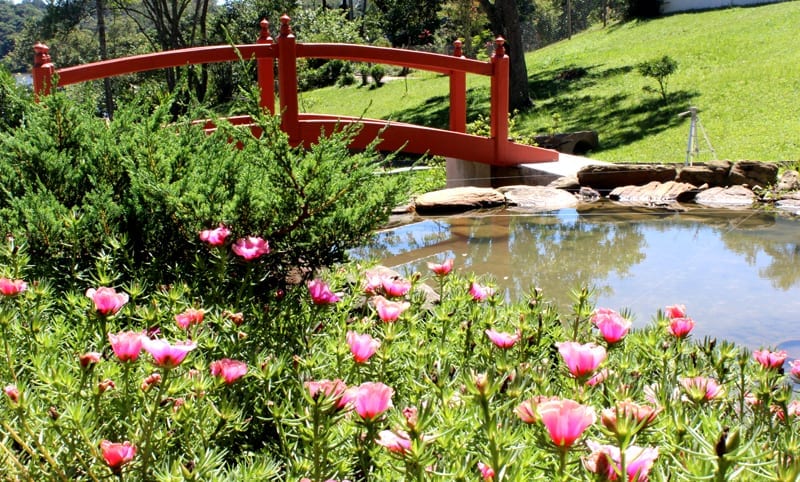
column 266, row 74
column 287, row 80
column 499, row 114
column 42, row 71
column 458, row 94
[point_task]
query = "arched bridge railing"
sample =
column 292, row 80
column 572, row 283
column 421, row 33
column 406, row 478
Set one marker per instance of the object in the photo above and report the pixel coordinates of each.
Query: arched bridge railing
column 304, row 128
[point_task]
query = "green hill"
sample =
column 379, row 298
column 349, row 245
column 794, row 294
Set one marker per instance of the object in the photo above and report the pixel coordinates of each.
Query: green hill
column 739, row 66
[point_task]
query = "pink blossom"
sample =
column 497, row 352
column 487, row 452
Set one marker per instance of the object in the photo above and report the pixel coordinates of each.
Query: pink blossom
column 215, row 237
column 605, row 461
column 793, row 408
column 89, row 358
column 613, row 327
column 362, row 346
column 389, row 311
column 166, row 355
column 598, row 377
column 581, row 359
column 442, row 269
column 565, row 420
column 332, row 389
column 479, row 292
column 675, row 311
column 190, row 316
column 107, row 384
column 250, row 248
column 527, row 411
column 9, row 287
column 487, row 472
column 373, row 283
column 106, row 300
column 151, row 380
column 371, row 399
column 794, row 366
column 680, row 327
column 127, row 345
column 627, row 416
column 771, row 360
column 117, row 454
column 503, row 340
column 398, row 442
column 321, row 294
column 395, row 287
column 701, row 389
column 12, row 392
column 229, row 370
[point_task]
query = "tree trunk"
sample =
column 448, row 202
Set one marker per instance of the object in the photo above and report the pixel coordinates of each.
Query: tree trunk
column 504, row 17
column 101, row 35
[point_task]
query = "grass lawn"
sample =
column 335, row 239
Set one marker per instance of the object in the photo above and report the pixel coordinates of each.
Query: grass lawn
column 739, row 66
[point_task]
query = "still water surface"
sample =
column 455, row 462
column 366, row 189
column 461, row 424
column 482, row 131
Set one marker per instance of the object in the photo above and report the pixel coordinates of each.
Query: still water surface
column 738, row 272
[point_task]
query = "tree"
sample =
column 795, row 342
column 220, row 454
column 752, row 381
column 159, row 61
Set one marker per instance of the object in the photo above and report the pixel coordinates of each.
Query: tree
column 504, row 18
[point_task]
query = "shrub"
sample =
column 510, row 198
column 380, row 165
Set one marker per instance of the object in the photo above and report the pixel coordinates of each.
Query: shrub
column 377, row 72
column 14, row 101
column 642, row 9
column 659, row 69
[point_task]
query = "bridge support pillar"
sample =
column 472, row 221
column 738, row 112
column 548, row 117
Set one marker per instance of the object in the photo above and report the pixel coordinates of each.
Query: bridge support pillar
column 462, row 173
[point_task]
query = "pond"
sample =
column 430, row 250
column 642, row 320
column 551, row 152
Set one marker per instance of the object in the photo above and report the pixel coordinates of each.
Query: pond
column 737, row 271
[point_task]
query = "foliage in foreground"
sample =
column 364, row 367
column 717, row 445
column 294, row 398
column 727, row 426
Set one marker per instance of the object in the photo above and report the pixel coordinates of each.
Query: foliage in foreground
column 362, row 375
column 139, row 189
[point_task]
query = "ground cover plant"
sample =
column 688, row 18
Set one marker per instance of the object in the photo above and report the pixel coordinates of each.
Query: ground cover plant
column 739, row 78
column 360, row 374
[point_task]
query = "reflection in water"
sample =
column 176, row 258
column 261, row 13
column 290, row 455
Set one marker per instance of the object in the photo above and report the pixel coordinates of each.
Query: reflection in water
column 738, row 272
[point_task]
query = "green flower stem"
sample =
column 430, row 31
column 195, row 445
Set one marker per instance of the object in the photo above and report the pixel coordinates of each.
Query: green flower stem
column 43, row 452
column 148, row 433
column 77, row 451
column 13, row 458
column 318, row 442
column 9, row 356
column 490, row 427
column 562, row 463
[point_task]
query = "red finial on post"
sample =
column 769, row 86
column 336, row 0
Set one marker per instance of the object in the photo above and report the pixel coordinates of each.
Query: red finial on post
column 457, row 52
column 43, row 70
column 286, row 29
column 266, row 70
column 499, row 47
column 264, row 36
column 287, row 82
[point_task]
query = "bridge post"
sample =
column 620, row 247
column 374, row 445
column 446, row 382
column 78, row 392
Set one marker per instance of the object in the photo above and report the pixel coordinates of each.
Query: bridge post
column 287, row 80
column 266, row 74
column 499, row 88
column 458, row 95
column 43, row 70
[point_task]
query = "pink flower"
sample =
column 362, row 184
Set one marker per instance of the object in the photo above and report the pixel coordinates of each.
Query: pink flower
column 675, row 311
column 332, row 389
column 250, row 248
column 362, row 346
column 442, row 269
column 395, row 287
column 627, row 417
column 527, row 410
column 106, row 300
column 581, row 360
column 117, row 454
column 389, row 311
column 605, row 460
column 771, row 360
column 613, row 327
column 701, row 389
column 480, row 293
column 598, row 377
column 12, row 392
column 127, row 345
column 321, row 294
column 487, row 472
column 680, row 327
column 12, row 287
column 166, row 355
column 398, row 442
column 371, row 399
column 190, row 316
column 151, row 380
column 793, row 408
column 229, row 370
column 215, row 237
column 794, row 366
column 89, row 358
column 503, row 340
column 373, row 283
column 565, row 420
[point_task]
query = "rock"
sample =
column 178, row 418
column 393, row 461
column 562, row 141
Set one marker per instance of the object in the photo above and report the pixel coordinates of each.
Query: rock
column 714, row 173
column 570, row 143
column 789, row 181
column 587, row 194
column 567, row 183
column 610, row 176
column 753, row 173
column 538, row 198
column 655, row 193
column 734, row 196
column 458, row 199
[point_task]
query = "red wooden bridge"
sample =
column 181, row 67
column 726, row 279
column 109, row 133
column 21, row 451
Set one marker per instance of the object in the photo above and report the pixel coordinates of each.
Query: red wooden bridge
column 304, row 128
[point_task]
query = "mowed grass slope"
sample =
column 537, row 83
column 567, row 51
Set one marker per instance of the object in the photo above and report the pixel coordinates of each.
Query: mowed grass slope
column 739, row 66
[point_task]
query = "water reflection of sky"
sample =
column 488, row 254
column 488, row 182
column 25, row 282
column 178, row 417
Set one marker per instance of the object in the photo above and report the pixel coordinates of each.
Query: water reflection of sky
column 737, row 272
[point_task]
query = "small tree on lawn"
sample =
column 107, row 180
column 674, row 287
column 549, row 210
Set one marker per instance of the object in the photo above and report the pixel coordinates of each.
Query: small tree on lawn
column 659, row 69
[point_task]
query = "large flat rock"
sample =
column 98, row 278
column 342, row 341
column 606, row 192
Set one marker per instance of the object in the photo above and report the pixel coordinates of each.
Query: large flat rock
column 458, row 199
column 538, row 198
column 734, row 196
column 610, row 176
column 654, row 193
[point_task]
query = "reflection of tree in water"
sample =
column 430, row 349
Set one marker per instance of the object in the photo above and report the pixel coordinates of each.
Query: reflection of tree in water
column 403, row 239
column 553, row 254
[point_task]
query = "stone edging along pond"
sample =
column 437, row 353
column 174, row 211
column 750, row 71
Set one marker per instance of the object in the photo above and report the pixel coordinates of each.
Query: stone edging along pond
column 743, row 184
